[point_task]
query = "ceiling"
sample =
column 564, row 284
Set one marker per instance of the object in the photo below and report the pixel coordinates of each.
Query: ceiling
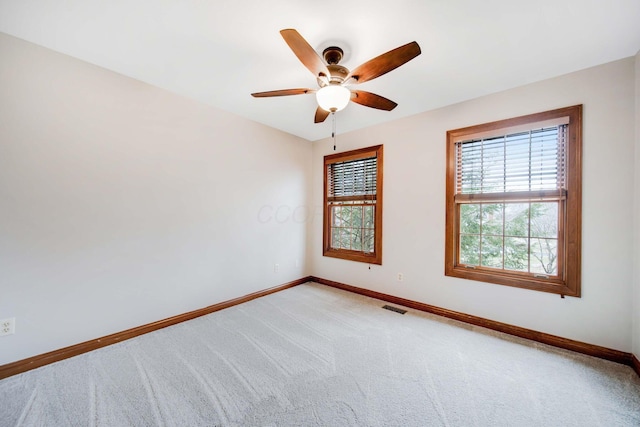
column 218, row 52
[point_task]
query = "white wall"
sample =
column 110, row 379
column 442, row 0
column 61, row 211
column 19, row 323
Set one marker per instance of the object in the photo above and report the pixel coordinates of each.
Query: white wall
column 414, row 209
column 636, row 281
column 122, row 204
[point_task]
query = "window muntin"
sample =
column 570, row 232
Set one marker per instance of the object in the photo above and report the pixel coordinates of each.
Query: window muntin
column 353, row 205
column 513, row 236
column 353, row 226
column 514, row 202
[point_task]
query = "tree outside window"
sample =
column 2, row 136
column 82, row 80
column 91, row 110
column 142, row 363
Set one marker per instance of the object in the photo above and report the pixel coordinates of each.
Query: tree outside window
column 353, row 205
column 514, row 202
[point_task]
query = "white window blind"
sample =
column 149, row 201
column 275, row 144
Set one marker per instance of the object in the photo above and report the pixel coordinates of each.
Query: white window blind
column 353, row 178
column 524, row 161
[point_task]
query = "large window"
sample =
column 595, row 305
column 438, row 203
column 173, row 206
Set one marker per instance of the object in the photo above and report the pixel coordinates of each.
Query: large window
column 353, row 205
column 514, row 202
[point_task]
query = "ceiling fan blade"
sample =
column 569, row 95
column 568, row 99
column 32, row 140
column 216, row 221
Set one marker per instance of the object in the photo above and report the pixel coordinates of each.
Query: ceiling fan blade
column 384, row 63
column 305, row 53
column 372, row 100
column 321, row 115
column 283, row 92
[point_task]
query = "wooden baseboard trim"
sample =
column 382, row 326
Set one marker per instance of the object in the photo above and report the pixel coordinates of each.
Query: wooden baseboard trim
column 34, row 362
column 635, row 363
column 556, row 341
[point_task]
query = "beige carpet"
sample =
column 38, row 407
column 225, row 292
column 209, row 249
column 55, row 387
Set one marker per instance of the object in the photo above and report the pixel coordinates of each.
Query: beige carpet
column 317, row 356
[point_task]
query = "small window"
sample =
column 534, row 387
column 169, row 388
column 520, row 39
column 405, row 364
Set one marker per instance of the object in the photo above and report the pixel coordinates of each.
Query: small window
column 353, row 205
column 514, row 202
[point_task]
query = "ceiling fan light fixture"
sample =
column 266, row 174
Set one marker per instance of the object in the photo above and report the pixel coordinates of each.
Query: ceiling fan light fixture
column 333, row 98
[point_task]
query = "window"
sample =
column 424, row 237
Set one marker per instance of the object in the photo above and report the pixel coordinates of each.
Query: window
column 353, row 205
column 514, row 202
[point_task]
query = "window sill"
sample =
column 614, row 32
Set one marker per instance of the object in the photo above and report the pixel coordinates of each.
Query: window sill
column 353, row 256
column 554, row 286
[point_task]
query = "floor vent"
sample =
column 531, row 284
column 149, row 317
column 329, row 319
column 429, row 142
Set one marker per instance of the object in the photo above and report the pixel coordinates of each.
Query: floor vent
column 396, row 309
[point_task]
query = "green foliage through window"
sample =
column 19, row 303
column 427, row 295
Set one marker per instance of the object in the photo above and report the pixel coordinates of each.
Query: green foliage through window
column 511, row 236
column 352, row 220
column 353, row 226
column 514, row 201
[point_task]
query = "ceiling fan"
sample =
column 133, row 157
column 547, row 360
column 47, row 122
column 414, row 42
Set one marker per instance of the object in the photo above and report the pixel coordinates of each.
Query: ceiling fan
column 333, row 79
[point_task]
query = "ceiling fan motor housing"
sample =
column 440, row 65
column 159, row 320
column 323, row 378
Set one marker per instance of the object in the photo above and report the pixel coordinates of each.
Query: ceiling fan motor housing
column 332, row 55
column 338, row 74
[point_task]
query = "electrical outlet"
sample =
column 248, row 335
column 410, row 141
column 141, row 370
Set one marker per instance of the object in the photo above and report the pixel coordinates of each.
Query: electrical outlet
column 276, row 268
column 400, row 277
column 8, row 326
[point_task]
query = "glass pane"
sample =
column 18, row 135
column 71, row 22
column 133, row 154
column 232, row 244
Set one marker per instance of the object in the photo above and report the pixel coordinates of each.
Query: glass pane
column 524, row 161
column 492, row 251
column 544, row 256
column 544, row 159
column 345, row 238
column 342, row 216
column 353, row 177
column 335, row 215
column 492, row 219
column 470, row 219
column 518, row 163
column 516, row 254
column 335, row 238
column 368, row 240
column 482, row 242
column 516, row 217
column 369, row 216
column 356, row 239
column 493, row 180
column 544, row 220
column 470, row 249
column 356, row 216
column 471, row 167
column 346, row 215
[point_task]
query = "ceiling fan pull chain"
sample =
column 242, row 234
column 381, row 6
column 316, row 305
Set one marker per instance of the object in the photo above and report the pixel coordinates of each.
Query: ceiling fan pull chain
column 333, row 131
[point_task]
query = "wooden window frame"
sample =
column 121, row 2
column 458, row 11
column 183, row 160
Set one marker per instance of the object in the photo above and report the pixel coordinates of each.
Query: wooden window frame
column 568, row 281
column 352, row 255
